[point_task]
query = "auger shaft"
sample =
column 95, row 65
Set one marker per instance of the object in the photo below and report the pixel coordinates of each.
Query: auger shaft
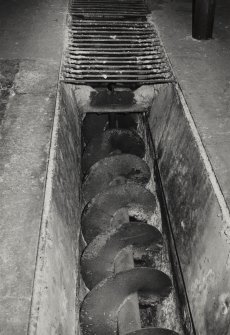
column 129, row 314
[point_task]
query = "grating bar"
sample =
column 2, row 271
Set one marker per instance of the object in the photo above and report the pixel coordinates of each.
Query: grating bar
column 114, row 72
column 111, row 52
column 114, row 76
column 119, row 67
column 127, row 58
column 110, row 46
column 107, row 16
column 79, row 35
column 114, row 41
column 107, row 29
column 108, row 12
column 95, row 81
column 108, row 8
column 112, row 38
column 117, row 23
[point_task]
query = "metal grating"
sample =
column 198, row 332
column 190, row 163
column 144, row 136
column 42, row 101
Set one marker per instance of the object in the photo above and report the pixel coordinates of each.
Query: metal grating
column 107, row 9
column 113, row 51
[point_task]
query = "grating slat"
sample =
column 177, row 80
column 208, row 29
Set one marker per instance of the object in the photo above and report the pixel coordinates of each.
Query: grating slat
column 132, row 76
column 110, row 46
column 116, row 67
column 103, row 72
column 119, row 53
column 137, row 81
column 110, row 41
column 129, row 23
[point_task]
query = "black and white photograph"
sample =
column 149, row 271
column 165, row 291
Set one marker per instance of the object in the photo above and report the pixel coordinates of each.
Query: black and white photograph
column 114, row 167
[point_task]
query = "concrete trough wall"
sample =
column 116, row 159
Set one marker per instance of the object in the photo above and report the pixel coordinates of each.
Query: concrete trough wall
column 55, row 296
column 197, row 210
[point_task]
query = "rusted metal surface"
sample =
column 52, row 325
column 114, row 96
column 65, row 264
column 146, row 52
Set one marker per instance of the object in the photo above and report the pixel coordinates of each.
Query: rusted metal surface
column 114, row 170
column 98, row 214
column 97, row 261
column 113, row 141
column 101, row 305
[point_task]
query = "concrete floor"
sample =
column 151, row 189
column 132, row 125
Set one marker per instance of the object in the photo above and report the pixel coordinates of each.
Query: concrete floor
column 32, row 29
column 31, row 40
column 202, row 69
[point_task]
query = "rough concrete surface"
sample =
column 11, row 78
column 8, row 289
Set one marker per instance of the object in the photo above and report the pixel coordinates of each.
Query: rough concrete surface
column 24, row 147
column 32, row 29
column 55, row 299
column 200, row 228
column 31, row 39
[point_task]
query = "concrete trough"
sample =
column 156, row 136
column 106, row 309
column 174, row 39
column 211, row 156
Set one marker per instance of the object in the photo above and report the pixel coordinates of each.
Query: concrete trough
column 199, row 217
